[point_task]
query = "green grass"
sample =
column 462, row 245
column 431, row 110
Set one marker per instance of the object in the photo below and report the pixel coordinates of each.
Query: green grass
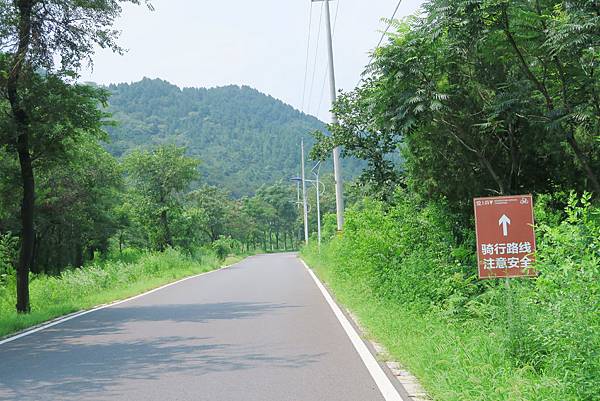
column 453, row 361
column 97, row 284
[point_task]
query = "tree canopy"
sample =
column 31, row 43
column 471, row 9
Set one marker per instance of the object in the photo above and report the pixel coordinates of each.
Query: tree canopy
column 481, row 97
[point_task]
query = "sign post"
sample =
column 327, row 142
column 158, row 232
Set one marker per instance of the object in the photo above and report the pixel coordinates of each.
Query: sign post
column 505, row 236
column 505, row 242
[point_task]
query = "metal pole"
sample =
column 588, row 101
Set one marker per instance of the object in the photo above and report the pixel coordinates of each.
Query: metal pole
column 304, row 198
column 318, row 212
column 337, row 168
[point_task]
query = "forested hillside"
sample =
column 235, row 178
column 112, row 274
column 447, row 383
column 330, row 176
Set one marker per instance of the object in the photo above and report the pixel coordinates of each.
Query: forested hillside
column 243, row 138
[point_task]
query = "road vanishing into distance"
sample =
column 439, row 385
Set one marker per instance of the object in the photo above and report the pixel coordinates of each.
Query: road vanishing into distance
column 260, row 330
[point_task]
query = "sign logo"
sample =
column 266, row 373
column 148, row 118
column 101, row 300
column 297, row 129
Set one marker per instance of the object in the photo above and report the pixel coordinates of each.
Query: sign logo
column 505, row 236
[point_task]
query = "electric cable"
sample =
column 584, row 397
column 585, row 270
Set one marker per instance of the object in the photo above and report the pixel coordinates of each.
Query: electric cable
column 307, row 55
column 390, row 21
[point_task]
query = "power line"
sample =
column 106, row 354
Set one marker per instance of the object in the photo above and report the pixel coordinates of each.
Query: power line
column 307, row 55
column 312, row 84
column 390, row 21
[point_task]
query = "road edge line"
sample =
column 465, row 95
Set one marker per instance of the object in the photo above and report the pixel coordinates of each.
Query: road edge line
column 383, row 382
column 59, row 320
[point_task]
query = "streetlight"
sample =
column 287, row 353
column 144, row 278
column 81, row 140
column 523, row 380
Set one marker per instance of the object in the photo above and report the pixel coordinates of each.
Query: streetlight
column 315, row 170
column 317, row 184
column 337, row 166
column 298, row 181
column 302, row 180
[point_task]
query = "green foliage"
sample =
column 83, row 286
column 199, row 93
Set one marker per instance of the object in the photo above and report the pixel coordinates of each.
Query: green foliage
column 480, row 97
column 120, row 276
column 415, row 256
column 408, row 253
column 159, row 178
column 44, row 44
column 244, row 138
column 559, row 316
column 64, row 34
column 224, row 246
column 9, row 245
column 218, row 206
column 76, row 196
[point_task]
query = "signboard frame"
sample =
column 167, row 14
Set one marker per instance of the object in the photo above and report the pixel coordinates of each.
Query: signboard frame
column 502, row 223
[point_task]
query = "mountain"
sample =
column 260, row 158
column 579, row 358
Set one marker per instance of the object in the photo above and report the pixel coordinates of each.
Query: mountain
column 244, row 138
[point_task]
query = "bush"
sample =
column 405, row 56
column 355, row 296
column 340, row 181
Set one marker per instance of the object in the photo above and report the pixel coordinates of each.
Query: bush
column 559, row 313
column 9, row 245
column 416, row 255
column 118, row 276
column 407, row 253
column 224, row 246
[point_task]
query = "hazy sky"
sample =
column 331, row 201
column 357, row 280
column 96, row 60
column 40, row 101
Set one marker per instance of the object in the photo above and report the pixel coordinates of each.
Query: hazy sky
column 260, row 43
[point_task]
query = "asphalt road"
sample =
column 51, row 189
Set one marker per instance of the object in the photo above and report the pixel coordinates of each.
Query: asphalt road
column 259, row 331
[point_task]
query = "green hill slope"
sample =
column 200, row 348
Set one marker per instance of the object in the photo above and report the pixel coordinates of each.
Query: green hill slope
column 243, row 137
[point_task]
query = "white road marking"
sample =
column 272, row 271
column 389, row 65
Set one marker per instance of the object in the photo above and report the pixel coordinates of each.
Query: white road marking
column 383, row 382
column 76, row 315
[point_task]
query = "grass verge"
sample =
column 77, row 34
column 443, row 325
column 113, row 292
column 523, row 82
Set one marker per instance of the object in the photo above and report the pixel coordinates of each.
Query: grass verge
column 454, row 362
column 81, row 289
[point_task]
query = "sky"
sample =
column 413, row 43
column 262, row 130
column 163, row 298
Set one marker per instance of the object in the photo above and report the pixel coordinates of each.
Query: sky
column 260, row 43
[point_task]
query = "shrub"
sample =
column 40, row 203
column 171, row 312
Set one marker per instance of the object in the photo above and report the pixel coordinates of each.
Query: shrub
column 9, row 245
column 559, row 313
column 417, row 255
column 407, row 253
column 224, row 246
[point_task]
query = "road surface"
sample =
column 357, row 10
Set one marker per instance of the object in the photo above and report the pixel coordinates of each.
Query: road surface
column 258, row 331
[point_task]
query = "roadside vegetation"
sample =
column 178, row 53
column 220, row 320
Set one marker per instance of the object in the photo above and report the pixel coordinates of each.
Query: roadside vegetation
column 413, row 284
column 100, row 282
column 469, row 99
column 79, row 226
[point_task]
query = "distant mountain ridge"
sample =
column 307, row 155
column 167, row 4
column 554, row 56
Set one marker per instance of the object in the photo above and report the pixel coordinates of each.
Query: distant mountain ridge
column 243, row 137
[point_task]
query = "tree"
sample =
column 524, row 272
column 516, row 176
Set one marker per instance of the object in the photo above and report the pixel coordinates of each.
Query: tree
column 217, row 205
column 244, row 138
column 36, row 34
column 58, row 115
column 159, row 178
column 481, row 97
column 281, row 212
column 76, row 199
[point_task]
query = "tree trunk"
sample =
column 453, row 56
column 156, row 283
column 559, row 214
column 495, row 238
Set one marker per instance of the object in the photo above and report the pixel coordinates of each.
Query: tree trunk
column 79, row 255
column 35, row 265
column 27, row 227
column 168, row 239
column 594, row 183
column 22, row 144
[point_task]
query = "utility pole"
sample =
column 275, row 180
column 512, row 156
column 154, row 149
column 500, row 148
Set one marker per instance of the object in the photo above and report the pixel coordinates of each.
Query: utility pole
column 315, row 171
column 305, row 204
column 337, row 168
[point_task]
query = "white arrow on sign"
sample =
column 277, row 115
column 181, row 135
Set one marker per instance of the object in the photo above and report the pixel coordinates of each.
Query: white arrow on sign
column 504, row 222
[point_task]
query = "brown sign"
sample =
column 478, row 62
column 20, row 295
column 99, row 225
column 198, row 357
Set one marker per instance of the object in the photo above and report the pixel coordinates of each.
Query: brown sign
column 505, row 236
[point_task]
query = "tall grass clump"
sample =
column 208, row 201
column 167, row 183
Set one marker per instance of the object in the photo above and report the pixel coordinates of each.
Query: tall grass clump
column 409, row 271
column 119, row 276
